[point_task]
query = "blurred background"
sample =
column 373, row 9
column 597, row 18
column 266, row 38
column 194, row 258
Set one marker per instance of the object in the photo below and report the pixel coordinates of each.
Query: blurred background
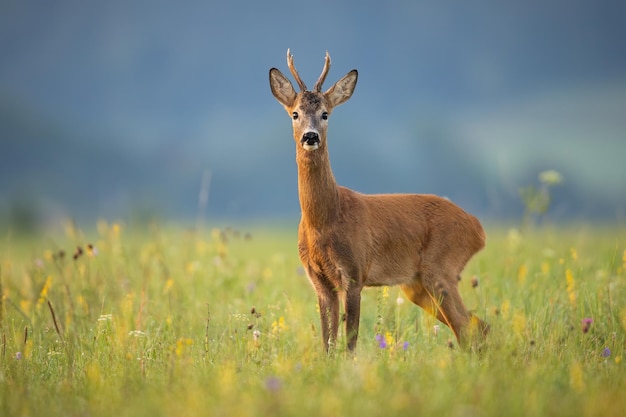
column 122, row 110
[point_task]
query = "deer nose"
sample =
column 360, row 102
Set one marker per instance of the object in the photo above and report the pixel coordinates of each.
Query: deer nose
column 310, row 139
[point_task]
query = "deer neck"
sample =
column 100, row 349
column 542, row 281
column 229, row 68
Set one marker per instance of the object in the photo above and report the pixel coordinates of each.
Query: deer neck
column 319, row 198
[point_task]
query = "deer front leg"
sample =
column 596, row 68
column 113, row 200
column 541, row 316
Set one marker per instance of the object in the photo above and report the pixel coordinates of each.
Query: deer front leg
column 352, row 306
column 328, row 302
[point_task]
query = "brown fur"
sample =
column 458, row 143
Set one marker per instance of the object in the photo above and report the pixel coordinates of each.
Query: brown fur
column 348, row 240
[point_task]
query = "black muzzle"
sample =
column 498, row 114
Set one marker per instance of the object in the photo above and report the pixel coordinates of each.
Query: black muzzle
column 310, row 139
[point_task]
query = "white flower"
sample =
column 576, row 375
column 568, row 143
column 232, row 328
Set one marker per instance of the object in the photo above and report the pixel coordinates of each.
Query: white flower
column 105, row 317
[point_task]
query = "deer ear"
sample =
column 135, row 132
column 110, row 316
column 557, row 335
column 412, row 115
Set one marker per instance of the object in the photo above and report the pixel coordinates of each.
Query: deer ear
column 342, row 90
column 282, row 88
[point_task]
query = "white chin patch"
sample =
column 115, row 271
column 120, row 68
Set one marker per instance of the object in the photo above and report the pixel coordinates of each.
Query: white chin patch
column 308, row 147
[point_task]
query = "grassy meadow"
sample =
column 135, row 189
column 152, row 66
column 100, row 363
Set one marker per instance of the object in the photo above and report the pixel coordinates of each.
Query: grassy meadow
column 165, row 321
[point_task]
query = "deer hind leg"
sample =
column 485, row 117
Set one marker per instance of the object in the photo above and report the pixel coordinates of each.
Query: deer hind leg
column 441, row 298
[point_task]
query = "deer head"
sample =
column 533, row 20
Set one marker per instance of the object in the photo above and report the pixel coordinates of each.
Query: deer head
column 309, row 110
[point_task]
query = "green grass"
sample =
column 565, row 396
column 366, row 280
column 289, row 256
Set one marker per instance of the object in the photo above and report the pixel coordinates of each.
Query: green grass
column 162, row 323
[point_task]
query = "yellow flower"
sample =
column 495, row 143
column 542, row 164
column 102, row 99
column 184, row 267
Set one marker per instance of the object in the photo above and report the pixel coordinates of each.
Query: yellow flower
column 181, row 346
column 574, row 254
column 116, row 230
column 389, row 339
column 168, row 286
column 279, row 325
column 571, row 288
column 385, row 292
column 43, row 295
column 521, row 273
column 191, row 267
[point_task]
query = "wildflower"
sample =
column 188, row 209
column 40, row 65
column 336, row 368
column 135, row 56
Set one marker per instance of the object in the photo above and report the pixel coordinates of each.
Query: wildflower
column 436, row 329
column 92, row 250
column 399, row 300
column 389, row 339
column 571, row 286
column 405, row 346
column 273, row 384
column 116, row 230
column 18, row 356
column 586, row 324
column 105, row 317
column 256, row 335
column 382, row 343
column 43, row 295
column 181, row 346
column 606, row 352
column 168, row 285
column 279, row 325
column 385, row 292
column 521, row 273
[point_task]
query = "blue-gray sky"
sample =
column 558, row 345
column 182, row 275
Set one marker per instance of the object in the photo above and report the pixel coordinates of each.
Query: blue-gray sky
column 107, row 106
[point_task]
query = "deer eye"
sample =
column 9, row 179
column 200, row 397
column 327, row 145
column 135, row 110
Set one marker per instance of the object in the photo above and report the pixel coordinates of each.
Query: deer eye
column 294, row 115
column 325, row 116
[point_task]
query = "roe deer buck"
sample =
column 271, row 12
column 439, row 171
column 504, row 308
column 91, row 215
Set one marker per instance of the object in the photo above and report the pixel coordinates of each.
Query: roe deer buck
column 347, row 240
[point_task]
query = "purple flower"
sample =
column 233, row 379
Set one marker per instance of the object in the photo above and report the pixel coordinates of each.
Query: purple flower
column 18, row 356
column 273, row 384
column 586, row 324
column 405, row 346
column 382, row 343
column 606, row 352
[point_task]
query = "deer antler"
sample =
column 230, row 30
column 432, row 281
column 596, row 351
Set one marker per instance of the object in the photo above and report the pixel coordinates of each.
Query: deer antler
column 318, row 85
column 294, row 72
